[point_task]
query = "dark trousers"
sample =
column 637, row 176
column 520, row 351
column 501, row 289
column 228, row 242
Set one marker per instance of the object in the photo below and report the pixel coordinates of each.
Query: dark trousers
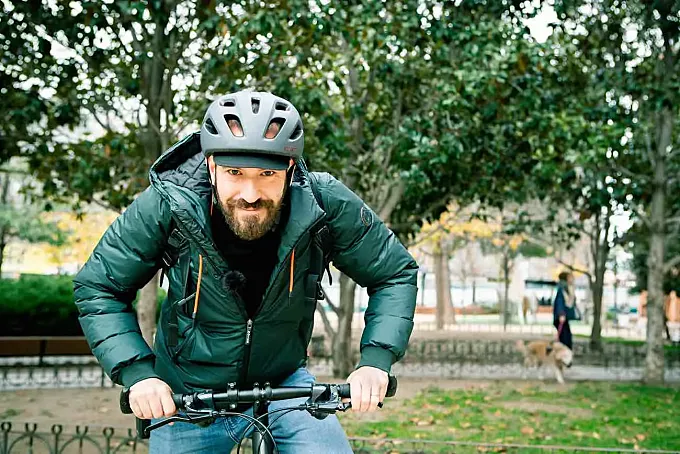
column 565, row 333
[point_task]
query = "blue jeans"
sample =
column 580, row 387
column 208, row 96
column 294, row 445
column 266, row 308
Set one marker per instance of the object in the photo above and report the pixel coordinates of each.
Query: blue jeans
column 294, row 432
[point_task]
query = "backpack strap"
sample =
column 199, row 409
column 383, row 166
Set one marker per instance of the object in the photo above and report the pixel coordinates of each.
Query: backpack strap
column 177, row 243
column 323, row 241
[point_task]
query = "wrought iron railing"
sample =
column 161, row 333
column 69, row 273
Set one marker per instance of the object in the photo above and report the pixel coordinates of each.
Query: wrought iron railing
column 27, row 438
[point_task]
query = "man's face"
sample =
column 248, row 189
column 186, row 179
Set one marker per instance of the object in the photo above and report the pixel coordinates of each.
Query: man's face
column 250, row 199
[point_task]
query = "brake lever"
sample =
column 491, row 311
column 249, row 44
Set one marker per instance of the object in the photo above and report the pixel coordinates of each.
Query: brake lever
column 198, row 418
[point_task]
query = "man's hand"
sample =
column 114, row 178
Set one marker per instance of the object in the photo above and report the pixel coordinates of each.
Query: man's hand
column 151, row 398
column 563, row 318
column 368, row 387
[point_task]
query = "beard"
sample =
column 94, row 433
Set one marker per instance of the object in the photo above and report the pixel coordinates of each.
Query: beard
column 251, row 226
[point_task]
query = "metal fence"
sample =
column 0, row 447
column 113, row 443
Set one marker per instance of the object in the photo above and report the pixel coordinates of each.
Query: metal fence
column 27, row 438
column 445, row 358
column 504, row 351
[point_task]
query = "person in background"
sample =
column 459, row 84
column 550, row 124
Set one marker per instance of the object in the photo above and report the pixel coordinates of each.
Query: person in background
column 564, row 308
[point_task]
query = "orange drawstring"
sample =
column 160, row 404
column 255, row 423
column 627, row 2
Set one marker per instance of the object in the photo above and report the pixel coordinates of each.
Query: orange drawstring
column 292, row 271
column 198, row 285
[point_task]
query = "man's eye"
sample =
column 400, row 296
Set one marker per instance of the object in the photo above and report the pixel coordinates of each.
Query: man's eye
column 268, row 173
column 233, row 172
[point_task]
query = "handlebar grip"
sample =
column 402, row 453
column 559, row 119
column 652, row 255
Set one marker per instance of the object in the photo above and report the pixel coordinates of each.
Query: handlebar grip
column 124, row 402
column 178, row 399
column 344, row 389
column 391, row 386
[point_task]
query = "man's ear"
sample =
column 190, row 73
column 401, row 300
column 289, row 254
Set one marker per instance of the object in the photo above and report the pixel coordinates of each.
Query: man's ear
column 211, row 168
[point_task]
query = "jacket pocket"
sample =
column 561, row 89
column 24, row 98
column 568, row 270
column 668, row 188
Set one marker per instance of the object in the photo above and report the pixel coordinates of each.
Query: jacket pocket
column 202, row 345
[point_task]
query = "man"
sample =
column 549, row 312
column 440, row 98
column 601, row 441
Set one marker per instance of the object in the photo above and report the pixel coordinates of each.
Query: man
column 243, row 290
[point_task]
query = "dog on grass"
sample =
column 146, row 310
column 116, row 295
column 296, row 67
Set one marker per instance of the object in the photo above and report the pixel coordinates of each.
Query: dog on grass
column 540, row 354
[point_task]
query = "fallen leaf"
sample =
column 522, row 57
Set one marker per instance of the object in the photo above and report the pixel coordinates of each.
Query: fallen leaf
column 526, row 430
column 498, row 413
column 465, row 425
column 596, row 435
column 640, row 437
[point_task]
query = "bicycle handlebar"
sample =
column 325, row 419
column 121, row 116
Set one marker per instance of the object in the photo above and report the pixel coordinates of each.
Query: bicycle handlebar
column 233, row 397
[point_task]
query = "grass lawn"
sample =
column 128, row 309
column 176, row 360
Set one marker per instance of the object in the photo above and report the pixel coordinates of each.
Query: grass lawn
column 582, row 414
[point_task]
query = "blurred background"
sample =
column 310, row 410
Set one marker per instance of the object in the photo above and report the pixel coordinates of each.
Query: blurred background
column 503, row 141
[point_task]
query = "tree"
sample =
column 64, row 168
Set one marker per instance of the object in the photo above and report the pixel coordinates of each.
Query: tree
column 20, row 220
column 135, row 69
column 455, row 229
column 643, row 60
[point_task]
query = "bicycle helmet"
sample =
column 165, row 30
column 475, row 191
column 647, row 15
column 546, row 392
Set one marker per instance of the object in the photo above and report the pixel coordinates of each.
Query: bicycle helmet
column 247, row 146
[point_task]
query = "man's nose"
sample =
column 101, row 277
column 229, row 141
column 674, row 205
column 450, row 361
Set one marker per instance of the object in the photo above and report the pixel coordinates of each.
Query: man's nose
column 249, row 192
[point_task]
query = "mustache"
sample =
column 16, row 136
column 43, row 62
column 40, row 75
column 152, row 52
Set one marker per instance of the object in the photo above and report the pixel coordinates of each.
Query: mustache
column 242, row 203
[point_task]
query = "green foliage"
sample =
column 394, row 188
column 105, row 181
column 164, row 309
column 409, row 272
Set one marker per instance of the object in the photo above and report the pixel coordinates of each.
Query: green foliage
column 112, row 67
column 36, row 305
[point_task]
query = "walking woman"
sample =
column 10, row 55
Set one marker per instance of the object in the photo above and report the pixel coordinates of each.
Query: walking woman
column 564, row 308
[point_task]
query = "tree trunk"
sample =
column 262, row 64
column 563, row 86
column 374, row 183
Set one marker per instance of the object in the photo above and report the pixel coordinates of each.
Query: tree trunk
column 4, row 197
column 600, row 251
column 146, row 309
column 422, row 288
column 506, row 283
column 343, row 358
column 444, row 309
column 654, row 362
column 2, row 251
column 474, row 292
column 596, row 288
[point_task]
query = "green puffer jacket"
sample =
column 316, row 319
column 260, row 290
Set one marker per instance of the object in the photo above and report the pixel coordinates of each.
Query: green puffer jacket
column 223, row 346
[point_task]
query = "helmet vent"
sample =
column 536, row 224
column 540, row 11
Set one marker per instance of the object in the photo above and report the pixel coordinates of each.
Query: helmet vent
column 255, row 104
column 297, row 132
column 282, row 106
column 272, row 130
column 210, row 126
column 229, row 102
column 234, row 125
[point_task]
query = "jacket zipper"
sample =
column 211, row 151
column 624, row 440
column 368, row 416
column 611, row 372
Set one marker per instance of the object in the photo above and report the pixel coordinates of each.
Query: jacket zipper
column 246, row 352
column 249, row 323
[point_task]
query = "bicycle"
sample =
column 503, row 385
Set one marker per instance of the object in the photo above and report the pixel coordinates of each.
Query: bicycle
column 204, row 407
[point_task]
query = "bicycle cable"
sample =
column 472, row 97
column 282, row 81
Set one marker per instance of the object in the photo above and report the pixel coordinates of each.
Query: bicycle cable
column 286, row 410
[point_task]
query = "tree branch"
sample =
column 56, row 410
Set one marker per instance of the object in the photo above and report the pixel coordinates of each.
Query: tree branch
column 650, row 151
column 106, row 125
column 333, row 306
column 326, row 323
column 632, row 175
column 395, row 194
column 670, row 264
column 573, row 268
